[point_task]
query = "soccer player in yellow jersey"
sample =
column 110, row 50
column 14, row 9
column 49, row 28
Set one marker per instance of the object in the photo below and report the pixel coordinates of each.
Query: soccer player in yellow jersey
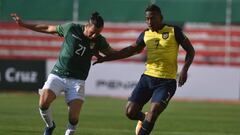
column 158, row 82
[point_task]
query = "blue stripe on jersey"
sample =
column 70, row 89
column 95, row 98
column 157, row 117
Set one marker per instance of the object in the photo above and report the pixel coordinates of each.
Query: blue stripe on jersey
column 179, row 36
column 140, row 39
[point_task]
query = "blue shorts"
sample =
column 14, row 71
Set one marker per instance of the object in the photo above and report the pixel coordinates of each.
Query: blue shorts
column 159, row 89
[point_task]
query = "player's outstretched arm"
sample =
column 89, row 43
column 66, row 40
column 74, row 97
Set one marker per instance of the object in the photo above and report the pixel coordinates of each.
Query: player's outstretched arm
column 121, row 54
column 50, row 29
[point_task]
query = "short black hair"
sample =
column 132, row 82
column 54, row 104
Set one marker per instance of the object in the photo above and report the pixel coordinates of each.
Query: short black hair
column 153, row 7
column 96, row 20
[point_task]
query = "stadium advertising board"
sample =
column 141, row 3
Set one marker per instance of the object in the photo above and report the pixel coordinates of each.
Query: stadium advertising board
column 22, row 74
column 114, row 78
column 211, row 82
column 111, row 78
column 118, row 79
column 204, row 82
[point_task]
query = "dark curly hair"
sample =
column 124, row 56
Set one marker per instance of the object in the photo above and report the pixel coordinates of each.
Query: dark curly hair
column 154, row 8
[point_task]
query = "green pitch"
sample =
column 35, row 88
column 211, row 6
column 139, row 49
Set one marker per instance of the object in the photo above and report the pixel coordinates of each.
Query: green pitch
column 105, row 116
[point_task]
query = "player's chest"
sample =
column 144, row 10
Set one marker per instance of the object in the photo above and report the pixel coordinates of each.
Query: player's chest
column 79, row 44
column 155, row 40
column 79, row 41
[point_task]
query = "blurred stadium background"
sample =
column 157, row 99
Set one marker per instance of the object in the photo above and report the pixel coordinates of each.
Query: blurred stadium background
column 213, row 26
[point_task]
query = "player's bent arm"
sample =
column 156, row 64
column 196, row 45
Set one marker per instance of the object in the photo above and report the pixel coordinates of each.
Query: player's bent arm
column 108, row 51
column 190, row 53
column 187, row 46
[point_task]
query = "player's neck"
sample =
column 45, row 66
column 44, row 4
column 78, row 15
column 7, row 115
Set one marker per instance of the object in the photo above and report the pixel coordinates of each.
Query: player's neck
column 160, row 26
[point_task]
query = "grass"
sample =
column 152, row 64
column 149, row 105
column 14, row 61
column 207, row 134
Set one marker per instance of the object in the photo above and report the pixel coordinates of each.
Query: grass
column 105, row 116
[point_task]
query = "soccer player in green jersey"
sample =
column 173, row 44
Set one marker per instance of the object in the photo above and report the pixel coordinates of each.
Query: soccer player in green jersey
column 158, row 82
column 81, row 42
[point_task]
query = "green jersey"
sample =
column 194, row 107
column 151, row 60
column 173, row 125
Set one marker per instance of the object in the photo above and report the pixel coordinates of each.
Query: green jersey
column 74, row 59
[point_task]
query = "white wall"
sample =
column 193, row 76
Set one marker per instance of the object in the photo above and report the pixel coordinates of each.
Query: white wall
column 204, row 82
column 211, row 82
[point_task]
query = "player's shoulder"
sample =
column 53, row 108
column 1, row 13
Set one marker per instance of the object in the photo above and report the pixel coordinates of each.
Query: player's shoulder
column 173, row 26
column 142, row 34
column 77, row 27
column 145, row 30
column 77, row 24
column 72, row 24
column 101, row 38
column 66, row 24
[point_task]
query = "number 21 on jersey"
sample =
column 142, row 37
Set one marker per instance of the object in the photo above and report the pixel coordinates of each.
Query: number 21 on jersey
column 81, row 50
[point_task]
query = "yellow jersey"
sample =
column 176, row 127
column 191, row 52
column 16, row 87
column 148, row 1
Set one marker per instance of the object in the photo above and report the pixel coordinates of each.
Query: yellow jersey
column 162, row 51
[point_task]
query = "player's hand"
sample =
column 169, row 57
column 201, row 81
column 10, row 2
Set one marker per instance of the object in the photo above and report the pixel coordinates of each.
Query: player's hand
column 96, row 62
column 182, row 78
column 99, row 60
column 16, row 18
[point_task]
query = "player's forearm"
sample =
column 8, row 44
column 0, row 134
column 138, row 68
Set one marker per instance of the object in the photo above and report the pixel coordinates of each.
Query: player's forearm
column 50, row 29
column 189, row 59
column 124, row 53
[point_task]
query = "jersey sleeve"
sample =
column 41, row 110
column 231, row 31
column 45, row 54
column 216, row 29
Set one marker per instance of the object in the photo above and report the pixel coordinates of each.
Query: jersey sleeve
column 140, row 39
column 179, row 35
column 62, row 29
column 103, row 44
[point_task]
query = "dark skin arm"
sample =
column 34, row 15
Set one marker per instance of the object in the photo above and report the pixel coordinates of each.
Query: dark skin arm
column 121, row 54
column 190, row 53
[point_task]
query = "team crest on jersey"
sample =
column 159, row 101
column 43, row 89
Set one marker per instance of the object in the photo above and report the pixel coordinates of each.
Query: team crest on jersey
column 165, row 35
column 92, row 45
